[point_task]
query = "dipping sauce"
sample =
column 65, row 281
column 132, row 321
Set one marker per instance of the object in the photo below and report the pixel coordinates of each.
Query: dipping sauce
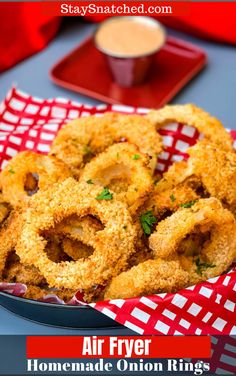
column 130, row 36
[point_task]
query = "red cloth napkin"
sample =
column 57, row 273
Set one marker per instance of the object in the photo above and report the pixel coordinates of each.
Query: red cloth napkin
column 25, row 29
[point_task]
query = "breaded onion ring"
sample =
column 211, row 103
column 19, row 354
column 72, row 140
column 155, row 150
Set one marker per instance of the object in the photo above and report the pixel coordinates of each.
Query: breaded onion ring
column 209, row 169
column 207, row 216
column 163, row 203
column 189, row 114
column 80, row 236
column 38, row 293
column 178, row 178
column 13, row 179
column 55, row 252
column 149, row 277
column 9, row 235
column 121, row 162
column 4, row 209
column 16, row 272
column 83, row 230
column 112, row 247
column 216, row 170
column 84, row 138
column 76, row 249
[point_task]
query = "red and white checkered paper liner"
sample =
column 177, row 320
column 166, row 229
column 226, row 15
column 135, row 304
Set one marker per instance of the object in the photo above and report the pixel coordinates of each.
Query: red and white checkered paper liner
column 31, row 123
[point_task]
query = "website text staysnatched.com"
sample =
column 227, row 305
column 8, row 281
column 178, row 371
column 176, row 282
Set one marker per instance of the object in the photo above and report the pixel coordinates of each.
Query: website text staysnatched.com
column 115, row 10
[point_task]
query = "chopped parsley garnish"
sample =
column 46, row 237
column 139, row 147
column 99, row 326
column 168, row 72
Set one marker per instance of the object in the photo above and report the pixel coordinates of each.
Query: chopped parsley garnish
column 89, row 181
column 147, row 221
column 201, row 266
column 172, row 197
column 188, row 204
column 87, row 150
column 105, row 195
column 117, row 155
column 11, row 171
column 136, row 156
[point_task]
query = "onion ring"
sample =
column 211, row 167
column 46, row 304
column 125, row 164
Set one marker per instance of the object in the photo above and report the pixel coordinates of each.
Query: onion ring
column 163, row 203
column 121, row 161
column 188, row 114
column 9, row 235
column 76, row 249
column 55, row 252
column 84, row 138
column 83, row 230
column 111, row 249
column 4, row 209
column 149, row 277
column 205, row 216
column 16, row 272
column 15, row 175
column 39, row 293
column 216, row 170
column 197, row 173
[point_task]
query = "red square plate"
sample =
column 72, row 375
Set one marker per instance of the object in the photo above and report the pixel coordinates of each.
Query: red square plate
column 85, row 71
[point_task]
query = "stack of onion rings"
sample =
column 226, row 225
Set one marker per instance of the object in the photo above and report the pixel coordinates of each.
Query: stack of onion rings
column 118, row 231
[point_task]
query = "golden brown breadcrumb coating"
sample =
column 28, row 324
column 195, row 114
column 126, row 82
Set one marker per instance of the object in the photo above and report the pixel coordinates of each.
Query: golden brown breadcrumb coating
column 121, row 161
column 48, row 170
column 216, row 169
column 4, row 209
column 16, row 272
column 205, row 216
column 38, row 293
column 189, row 114
column 149, row 277
column 112, row 247
column 76, row 249
column 9, row 235
column 164, row 202
column 79, row 141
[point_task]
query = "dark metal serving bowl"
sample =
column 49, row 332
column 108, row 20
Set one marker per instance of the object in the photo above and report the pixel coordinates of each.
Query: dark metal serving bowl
column 81, row 317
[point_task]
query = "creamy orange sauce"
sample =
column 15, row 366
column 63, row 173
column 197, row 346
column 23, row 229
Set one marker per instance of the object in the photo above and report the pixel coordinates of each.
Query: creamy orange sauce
column 127, row 37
